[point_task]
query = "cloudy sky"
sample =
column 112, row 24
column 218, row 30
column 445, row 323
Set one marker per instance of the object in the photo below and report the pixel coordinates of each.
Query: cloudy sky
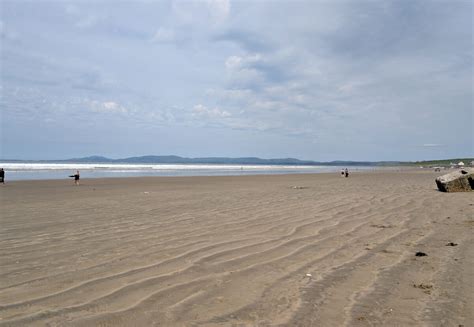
column 320, row 80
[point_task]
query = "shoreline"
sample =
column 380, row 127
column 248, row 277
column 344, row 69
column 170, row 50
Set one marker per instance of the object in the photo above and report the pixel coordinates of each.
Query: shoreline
column 88, row 174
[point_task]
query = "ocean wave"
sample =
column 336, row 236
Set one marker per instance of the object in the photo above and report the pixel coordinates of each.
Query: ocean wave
column 144, row 167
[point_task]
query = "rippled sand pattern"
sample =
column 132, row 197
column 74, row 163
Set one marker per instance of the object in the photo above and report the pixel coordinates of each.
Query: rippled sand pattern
column 295, row 250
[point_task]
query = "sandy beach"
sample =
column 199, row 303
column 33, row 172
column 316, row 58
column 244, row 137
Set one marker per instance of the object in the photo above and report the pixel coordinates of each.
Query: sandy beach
column 287, row 250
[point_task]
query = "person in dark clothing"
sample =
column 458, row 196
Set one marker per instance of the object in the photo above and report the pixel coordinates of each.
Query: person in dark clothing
column 2, row 176
column 346, row 172
column 76, row 177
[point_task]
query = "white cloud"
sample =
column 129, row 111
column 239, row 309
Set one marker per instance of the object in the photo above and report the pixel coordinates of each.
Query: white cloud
column 204, row 112
column 332, row 70
column 107, row 107
column 245, row 71
column 233, row 62
column 244, row 62
column 110, row 105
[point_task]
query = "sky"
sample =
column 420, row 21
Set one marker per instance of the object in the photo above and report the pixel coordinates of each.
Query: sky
column 315, row 80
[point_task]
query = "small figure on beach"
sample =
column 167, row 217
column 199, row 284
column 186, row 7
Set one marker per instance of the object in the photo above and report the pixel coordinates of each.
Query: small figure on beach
column 2, row 176
column 76, row 177
column 342, row 172
column 346, row 172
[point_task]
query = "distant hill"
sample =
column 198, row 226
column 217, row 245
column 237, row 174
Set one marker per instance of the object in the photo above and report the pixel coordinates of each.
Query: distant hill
column 89, row 159
column 151, row 159
column 182, row 160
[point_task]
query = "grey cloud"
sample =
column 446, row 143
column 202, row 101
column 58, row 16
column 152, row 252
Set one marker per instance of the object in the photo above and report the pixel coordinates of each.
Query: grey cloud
column 366, row 79
column 247, row 40
column 273, row 72
column 91, row 81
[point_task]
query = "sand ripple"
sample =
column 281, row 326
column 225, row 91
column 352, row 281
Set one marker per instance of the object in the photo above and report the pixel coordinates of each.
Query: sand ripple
column 242, row 251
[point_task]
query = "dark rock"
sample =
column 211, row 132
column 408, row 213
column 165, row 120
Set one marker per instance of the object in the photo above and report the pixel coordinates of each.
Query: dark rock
column 451, row 244
column 420, row 254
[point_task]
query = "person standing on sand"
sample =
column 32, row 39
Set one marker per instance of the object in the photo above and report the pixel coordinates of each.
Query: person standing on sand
column 76, row 177
column 342, row 172
column 346, row 172
column 2, row 176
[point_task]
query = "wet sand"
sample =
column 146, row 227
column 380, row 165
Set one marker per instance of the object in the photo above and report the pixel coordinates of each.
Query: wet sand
column 288, row 250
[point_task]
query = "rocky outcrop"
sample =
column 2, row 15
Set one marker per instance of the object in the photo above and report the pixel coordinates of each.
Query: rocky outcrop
column 458, row 181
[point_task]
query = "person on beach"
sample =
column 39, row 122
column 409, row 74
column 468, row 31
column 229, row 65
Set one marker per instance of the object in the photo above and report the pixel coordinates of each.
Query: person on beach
column 2, row 176
column 76, row 177
column 342, row 172
column 346, row 172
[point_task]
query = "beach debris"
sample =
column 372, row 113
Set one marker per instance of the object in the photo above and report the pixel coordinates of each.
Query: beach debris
column 451, row 244
column 389, row 311
column 309, row 276
column 381, row 226
column 146, row 192
column 425, row 287
column 299, row 187
column 458, row 181
column 420, row 254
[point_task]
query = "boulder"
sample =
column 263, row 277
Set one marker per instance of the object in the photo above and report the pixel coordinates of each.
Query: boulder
column 458, row 181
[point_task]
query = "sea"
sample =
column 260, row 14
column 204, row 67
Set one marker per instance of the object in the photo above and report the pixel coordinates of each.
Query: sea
column 42, row 171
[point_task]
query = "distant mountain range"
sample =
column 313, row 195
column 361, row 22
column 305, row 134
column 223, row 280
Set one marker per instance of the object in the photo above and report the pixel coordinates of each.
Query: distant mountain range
column 241, row 161
column 210, row 160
